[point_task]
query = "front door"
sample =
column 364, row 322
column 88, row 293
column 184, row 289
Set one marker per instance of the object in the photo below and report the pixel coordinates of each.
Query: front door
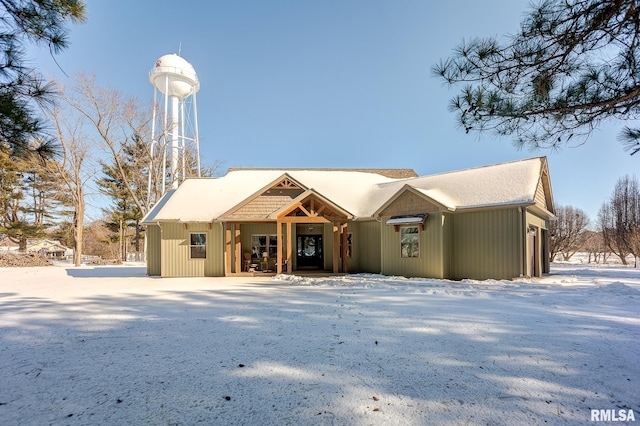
column 309, row 252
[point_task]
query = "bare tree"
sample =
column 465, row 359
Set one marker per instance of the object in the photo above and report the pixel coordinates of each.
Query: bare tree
column 566, row 231
column 119, row 122
column 72, row 171
column 100, row 241
column 619, row 219
column 596, row 248
column 610, row 236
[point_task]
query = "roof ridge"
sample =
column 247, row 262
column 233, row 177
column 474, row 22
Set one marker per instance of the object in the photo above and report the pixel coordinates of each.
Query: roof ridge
column 504, row 163
column 394, row 173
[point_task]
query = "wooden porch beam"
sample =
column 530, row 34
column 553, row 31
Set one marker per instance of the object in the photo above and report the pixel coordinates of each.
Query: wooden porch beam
column 238, row 248
column 279, row 246
column 336, row 247
column 227, row 248
column 343, row 232
column 303, row 219
column 289, row 248
column 304, row 210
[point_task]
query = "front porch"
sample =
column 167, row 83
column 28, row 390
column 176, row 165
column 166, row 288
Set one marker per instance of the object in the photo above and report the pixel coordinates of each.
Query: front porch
column 307, row 236
column 302, row 273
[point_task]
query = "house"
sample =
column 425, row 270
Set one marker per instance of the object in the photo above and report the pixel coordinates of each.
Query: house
column 48, row 248
column 480, row 223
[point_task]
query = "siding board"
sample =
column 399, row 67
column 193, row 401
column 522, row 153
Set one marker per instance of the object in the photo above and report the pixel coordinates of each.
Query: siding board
column 430, row 262
column 175, row 251
column 484, row 244
column 365, row 247
column 154, row 258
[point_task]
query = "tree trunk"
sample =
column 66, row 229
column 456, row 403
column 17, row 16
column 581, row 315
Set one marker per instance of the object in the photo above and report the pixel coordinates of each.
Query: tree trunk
column 120, row 242
column 78, row 227
column 22, row 244
column 137, row 240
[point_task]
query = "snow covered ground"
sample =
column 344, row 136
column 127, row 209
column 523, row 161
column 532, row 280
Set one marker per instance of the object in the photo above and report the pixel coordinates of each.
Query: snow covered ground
column 108, row 345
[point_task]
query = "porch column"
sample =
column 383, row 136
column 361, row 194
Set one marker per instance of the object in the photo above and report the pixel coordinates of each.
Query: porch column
column 227, row 248
column 279, row 246
column 289, row 248
column 336, row 247
column 238, row 248
column 345, row 249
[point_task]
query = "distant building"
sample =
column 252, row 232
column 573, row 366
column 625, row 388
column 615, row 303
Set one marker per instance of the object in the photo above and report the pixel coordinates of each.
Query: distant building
column 481, row 223
column 48, row 248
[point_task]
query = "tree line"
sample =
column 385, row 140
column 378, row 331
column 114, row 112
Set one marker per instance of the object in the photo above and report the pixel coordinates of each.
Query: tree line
column 573, row 65
column 61, row 145
column 103, row 149
column 616, row 230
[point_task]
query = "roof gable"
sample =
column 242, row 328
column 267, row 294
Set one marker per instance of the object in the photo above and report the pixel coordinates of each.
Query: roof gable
column 268, row 199
column 408, row 201
column 311, row 204
column 543, row 196
column 504, row 184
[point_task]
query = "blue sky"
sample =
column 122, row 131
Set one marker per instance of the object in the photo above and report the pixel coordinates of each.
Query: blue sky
column 325, row 83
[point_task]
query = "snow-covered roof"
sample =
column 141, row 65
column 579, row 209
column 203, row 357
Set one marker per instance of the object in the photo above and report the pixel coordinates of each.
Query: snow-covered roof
column 496, row 185
column 360, row 193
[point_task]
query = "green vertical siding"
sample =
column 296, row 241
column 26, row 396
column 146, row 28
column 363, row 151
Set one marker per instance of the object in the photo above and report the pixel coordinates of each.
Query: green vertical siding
column 214, row 266
column 365, row 247
column 447, row 232
column 154, row 259
column 431, row 261
column 484, row 244
column 175, row 251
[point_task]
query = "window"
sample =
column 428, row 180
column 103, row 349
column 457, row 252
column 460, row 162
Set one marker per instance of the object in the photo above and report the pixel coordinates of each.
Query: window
column 264, row 243
column 409, row 241
column 198, row 246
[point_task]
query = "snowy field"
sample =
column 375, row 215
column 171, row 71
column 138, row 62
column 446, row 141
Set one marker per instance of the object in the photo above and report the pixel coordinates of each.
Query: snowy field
column 110, row 346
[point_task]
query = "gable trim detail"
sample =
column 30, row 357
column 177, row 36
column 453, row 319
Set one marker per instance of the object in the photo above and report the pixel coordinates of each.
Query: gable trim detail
column 282, row 182
column 408, row 188
column 312, row 211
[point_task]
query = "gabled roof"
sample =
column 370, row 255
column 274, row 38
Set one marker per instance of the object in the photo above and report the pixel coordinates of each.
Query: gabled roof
column 512, row 183
column 408, row 188
column 390, row 173
column 361, row 193
column 280, row 184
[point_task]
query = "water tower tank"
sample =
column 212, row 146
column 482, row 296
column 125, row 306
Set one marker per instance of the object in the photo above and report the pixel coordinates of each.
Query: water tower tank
column 174, row 77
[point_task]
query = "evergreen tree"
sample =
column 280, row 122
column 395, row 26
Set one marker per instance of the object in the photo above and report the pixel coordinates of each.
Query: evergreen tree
column 24, row 197
column 573, row 65
column 22, row 88
column 124, row 213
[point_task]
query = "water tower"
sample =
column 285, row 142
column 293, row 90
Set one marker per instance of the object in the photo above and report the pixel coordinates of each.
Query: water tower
column 174, row 129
